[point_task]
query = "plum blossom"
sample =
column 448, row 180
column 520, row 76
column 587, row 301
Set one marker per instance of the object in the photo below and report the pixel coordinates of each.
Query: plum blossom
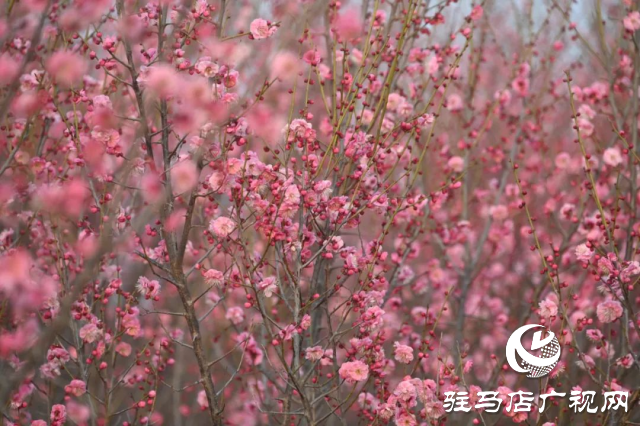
column 268, row 286
column 612, row 157
column 548, row 308
column 67, row 68
column 632, row 21
column 609, row 311
column 213, row 277
column 90, row 333
column 207, row 67
column 456, row 164
column 202, row 399
column 374, row 198
column 150, row 288
column 222, row 227
column 403, row 353
column 235, row 315
column 583, row 253
column 285, row 66
column 314, row 353
column 348, row 25
column 260, row 29
column 299, row 128
column 160, row 79
column 354, row 371
column 184, row 176
column 58, row 415
column 76, row 388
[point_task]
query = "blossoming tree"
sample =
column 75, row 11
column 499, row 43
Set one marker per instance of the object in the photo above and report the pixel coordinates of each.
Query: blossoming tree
column 307, row 213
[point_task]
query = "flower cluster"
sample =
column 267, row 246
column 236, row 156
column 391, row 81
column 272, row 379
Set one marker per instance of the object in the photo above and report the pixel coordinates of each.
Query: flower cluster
column 295, row 212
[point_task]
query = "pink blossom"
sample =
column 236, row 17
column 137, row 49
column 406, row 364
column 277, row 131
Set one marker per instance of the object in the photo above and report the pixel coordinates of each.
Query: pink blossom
column 433, row 65
column 235, row 315
column 385, row 411
column 403, row 353
column 78, row 413
column 355, row 371
column 499, row 212
column 222, row 227
column 454, row 103
column 207, row 67
column 609, row 311
column 594, row 335
column 348, row 25
column 406, row 392
column 476, row 13
column 563, row 161
column 521, row 86
column 285, row 66
column 548, row 308
column 261, row 29
column 299, row 128
column 583, row 253
column 312, row 57
column 356, row 168
column 76, row 388
column 9, row 68
column 202, row 399
column 108, row 137
column 58, row 415
column 586, row 127
column 160, row 79
column 213, row 277
column 67, row 68
column 184, row 176
column 314, row 353
column 456, row 164
column 268, row 286
column 305, row 323
column 288, row 332
column 90, row 333
column 150, row 288
column 612, row 157
column 406, row 419
column 124, row 349
column 631, row 22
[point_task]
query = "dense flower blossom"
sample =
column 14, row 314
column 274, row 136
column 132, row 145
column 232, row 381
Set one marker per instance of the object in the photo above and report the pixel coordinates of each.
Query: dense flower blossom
column 313, row 212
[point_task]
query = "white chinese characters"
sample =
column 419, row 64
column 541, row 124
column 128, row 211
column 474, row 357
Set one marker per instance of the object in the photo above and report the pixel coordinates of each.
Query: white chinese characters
column 521, row 401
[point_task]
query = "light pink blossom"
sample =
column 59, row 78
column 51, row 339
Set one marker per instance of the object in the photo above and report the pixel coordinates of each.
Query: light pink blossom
column 260, row 29
column 222, row 227
column 609, row 311
column 355, row 371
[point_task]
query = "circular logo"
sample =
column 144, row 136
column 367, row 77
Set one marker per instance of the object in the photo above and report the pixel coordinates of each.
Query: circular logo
column 536, row 366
